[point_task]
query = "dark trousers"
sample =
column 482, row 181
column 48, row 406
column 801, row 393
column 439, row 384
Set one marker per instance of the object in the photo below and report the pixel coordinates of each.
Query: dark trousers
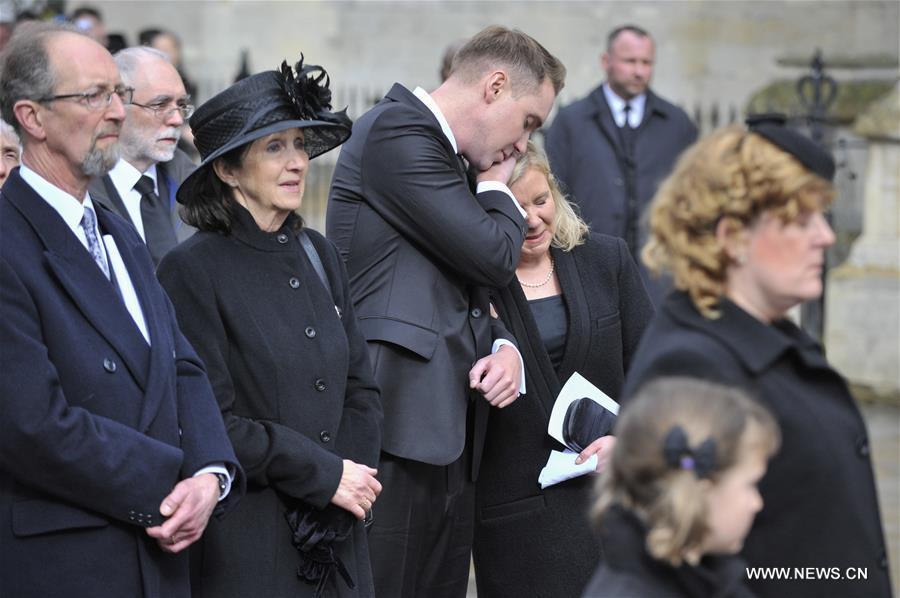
column 421, row 540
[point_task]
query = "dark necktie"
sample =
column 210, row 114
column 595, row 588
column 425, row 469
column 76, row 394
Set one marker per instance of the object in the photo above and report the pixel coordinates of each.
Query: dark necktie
column 627, row 132
column 158, row 230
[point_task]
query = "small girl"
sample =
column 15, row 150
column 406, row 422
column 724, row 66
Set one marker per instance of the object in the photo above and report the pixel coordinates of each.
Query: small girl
column 679, row 495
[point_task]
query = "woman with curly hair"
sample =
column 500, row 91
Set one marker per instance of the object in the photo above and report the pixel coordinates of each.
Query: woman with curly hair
column 740, row 226
column 679, row 495
column 265, row 302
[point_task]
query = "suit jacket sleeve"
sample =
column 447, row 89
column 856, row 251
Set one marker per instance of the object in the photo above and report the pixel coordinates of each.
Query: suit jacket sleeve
column 270, row 453
column 415, row 185
column 66, row 451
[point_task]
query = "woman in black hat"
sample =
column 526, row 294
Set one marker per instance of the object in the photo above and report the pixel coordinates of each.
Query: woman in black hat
column 740, row 225
column 266, row 304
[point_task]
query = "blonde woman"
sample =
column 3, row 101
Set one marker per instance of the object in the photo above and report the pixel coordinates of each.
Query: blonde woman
column 740, row 226
column 679, row 495
column 577, row 305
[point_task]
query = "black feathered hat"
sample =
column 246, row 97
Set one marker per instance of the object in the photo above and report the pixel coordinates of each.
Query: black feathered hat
column 773, row 127
column 263, row 104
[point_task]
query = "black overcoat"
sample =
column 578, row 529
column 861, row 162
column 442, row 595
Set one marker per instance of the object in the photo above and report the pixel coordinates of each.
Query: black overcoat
column 585, row 151
column 629, row 571
column 821, row 508
column 528, row 541
column 97, row 426
column 294, row 385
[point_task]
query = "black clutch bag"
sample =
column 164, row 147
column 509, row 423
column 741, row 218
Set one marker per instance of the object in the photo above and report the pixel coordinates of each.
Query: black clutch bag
column 585, row 422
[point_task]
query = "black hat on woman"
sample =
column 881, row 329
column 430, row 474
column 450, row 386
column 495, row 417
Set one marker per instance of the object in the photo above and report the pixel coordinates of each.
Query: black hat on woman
column 263, row 104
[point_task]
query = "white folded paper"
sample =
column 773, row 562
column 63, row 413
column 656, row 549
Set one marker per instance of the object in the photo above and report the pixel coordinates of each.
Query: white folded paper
column 575, row 388
column 561, row 464
column 561, row 467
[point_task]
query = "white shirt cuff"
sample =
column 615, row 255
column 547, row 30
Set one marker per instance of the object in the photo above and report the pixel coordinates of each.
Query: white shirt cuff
column 219, row 468
column 496, row 347
column 498, row 186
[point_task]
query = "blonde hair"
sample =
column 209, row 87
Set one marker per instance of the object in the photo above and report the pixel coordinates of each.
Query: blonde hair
column 570, row 229
column 672, row 501
column 732, row 174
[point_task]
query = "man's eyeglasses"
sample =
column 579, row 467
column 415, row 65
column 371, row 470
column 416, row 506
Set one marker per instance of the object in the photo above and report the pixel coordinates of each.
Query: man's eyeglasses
column 95, row 100
column 163, row 111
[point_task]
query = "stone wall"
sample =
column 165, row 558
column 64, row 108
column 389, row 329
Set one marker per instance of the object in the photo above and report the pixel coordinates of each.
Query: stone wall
column 707, row 50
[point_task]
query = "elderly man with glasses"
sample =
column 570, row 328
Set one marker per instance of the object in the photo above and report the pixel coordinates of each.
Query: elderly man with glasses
column 113, row 453
column 141, row 186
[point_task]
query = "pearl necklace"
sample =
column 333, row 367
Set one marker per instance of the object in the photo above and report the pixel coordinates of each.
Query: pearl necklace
column 540, row 284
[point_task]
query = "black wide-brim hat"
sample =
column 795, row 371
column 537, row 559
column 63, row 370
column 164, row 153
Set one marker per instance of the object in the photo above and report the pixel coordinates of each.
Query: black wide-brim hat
column 263, row 104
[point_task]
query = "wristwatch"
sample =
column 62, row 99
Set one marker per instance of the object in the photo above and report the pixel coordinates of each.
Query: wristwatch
column 223, row 484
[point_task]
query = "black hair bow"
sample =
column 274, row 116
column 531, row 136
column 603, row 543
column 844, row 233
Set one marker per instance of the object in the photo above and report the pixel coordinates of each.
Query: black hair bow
column 679, row 454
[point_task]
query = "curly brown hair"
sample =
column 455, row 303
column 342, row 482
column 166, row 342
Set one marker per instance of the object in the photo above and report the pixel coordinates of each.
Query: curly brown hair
column 732, row 174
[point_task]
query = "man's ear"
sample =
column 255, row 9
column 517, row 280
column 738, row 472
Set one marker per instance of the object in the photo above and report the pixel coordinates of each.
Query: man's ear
column 495, row 85
column 30, row 119
column 604, row 61
column 733, row 239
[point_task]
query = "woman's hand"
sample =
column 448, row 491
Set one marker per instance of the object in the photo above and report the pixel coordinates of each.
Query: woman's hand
column 602, row 447
column 358, row 489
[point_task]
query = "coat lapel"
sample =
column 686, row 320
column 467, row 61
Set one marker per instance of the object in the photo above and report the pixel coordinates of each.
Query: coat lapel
column 82, row 280
column 156, row 316
column 603, row 117
column 579, row 331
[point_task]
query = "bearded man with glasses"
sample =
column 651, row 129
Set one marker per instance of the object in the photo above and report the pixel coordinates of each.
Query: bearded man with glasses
column 141, row 186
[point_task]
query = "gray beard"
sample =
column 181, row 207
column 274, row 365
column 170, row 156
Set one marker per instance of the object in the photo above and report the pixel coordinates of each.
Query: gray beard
column 98, row 162
column 136, row 148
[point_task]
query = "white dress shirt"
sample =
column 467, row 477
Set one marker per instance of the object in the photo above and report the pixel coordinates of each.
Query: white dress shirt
column 482, row 187
column 617, row 107
column 124, row 177
column 71, row 210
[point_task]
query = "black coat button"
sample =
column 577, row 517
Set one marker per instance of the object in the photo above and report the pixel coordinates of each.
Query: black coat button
column 310, row 332
column 325, row 436
column 294, row 282
column 282, row 238
column 476, row 312
column 109, row 365
column 320, row 385
column 882, row 562
column 618, row 182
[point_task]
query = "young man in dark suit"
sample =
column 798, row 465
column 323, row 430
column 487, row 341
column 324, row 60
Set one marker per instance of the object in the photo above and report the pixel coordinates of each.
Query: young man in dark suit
column 421, row 245
column 113, row 454
column 141, row 186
